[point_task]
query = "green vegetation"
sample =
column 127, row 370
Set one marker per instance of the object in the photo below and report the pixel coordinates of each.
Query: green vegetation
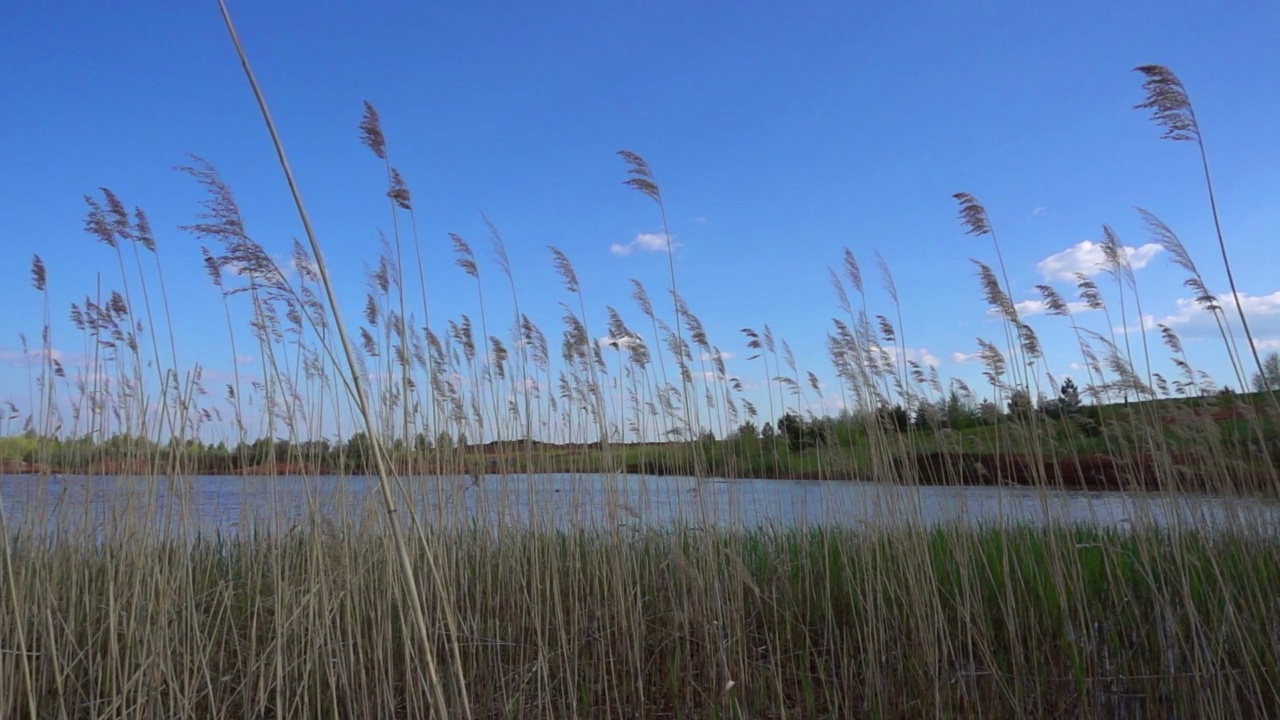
column 372, row 611
column 1268, row 376
column 827, row 448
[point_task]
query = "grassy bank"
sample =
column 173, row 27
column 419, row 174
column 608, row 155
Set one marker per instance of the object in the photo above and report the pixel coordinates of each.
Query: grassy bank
column 1179, row 444
column 789, row 623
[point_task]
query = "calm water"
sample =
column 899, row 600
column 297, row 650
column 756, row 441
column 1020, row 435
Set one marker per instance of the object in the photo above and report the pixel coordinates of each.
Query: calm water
column 79, row 504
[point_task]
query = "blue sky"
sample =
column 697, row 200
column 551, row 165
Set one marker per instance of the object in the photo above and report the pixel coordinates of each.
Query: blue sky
column 780, row 133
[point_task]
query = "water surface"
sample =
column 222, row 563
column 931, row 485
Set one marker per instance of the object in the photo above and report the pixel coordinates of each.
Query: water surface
column 228, row 505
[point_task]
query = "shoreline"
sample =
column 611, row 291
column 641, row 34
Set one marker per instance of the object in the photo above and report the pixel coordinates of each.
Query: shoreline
column 934, row 469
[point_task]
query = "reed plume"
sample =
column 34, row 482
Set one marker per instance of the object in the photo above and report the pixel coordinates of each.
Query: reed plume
column 1171, row 108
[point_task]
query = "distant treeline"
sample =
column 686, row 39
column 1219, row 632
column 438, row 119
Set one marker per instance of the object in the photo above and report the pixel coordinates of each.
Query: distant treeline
column 829, row 447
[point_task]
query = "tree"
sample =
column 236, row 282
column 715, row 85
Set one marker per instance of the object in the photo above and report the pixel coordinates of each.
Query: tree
column 1020, row 406
column 959, row 411
column 989, row 412
column 799, row 433
column 766, row 432
column 895, row 418
column 928, row 416
column 1270, row 375
column 1066, row 404
column 1069, row 397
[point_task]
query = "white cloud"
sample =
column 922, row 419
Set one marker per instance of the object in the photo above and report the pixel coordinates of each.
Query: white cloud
column 648, row 242
column 724, row 355
column 1087, row 257
column 919, row 355
column 528, row 387
column 924, row 356
column 623, row 343
column 1271, row 344
column 1036, row 212
column 16, row 357
column 961, row 358
column 284, row 264
column 1027, row 308
column 1193, row 322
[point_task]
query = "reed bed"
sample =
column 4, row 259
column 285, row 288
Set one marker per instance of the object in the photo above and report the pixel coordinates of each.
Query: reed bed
column 954, row 622
column 355, row 609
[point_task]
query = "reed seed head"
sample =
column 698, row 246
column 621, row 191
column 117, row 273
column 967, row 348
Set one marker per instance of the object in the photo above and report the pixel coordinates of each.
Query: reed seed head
column 37, row 273
column 1170, row 338
column 398, row 191
column 466, row 258
column 1089, row 292
column 564, row 268
column 973, row 216
column 499, row 247
column 641, row 297
column 371, row 132
column 886, row 277
column 1170, row 106
column 641, row 177
column 994, row 294
column 1053, row 301
column 852, row 271
column 96, row 224
column 302, row 263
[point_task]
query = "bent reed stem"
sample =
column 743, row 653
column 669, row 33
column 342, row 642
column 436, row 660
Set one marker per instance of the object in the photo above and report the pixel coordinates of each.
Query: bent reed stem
column 384, row 482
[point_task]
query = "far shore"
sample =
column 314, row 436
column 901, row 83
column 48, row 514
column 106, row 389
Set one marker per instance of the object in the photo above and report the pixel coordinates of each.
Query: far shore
column 975, row 469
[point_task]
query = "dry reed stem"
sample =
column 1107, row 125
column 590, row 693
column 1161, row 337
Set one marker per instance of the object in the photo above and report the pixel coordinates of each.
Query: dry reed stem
column 410, row 575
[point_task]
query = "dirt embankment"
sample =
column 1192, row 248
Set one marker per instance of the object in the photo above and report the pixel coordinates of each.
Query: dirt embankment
column 1090, row 472
column 9, row 466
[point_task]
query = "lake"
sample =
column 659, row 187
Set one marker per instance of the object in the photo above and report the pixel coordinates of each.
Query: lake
column 229, row 505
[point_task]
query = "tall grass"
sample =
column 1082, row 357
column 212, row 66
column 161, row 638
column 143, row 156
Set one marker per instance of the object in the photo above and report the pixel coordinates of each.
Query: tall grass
column 431, row 599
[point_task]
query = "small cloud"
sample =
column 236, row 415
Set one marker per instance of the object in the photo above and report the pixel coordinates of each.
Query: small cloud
column 648, row 242
column 1268, row 344
column 919, row 355
column 15, row 357
column 960, row 358
column 529, row 387
column 700, row 219
column 623, row 343
column 924, row 357
column 212, row 375
column 1087, row 257
column 284, row 265
column 1193, row 321
column 1027, row 308
column 724, row 355
column 244, row 359
column 1036, row 213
